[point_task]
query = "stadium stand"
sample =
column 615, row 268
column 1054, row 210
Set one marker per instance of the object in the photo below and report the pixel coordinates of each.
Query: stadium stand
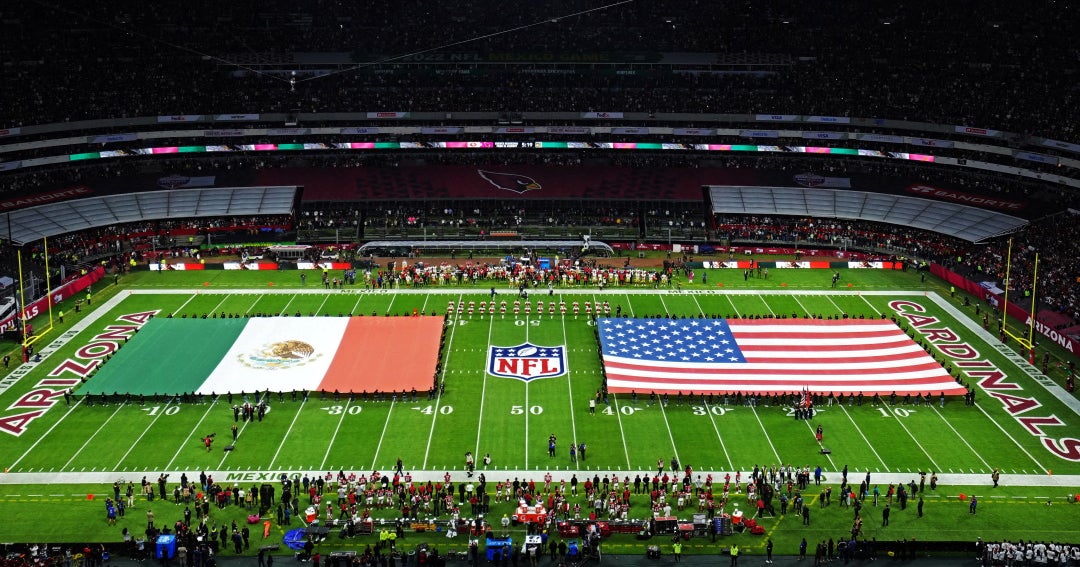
column 980, row 96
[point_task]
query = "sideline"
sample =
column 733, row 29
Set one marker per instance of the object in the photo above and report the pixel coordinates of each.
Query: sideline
column 1026, row 367
column 59, row 342
column 435, row 475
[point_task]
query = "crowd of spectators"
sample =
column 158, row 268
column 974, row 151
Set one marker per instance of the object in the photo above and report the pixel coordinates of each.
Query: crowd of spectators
column 106, row 172
column 1056, row 241
column 1021, row 553
column 840, row 234
column 1015, row 70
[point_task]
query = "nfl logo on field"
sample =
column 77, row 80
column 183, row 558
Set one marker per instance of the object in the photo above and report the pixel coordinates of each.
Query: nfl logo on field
column 527, row 361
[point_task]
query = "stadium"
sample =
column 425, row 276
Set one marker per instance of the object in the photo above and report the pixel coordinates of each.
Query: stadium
column 430, row 283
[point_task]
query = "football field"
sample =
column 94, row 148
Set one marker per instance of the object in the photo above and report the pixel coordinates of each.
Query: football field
column 146, row 369
column 483, row 409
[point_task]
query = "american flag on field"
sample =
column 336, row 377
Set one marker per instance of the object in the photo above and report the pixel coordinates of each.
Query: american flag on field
column 767, row 356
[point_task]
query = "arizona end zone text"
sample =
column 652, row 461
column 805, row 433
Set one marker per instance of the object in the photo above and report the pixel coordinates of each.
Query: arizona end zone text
column 990, row 378
column 70, row 373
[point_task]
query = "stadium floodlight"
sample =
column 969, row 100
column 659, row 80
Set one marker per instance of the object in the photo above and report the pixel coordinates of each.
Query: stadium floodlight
column 1029, row 341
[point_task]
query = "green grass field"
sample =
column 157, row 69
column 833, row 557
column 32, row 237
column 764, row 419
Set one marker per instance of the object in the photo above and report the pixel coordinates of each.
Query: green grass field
column 66, row 451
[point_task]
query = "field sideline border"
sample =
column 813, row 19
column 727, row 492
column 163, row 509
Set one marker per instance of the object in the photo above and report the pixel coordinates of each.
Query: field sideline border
column 105, row 477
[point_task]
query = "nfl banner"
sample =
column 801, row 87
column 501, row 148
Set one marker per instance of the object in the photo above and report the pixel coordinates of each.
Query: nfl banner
column 527, row 361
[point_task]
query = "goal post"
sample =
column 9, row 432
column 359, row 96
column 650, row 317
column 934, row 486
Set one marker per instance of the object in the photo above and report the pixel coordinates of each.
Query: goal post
column 1028, row 342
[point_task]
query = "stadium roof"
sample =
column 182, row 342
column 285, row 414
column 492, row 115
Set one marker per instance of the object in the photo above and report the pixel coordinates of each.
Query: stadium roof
column 952, row 219
column 33, row 223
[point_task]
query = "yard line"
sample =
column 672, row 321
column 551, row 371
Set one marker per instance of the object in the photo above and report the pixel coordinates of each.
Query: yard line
column 664, row 303
column 700, row 310
column 285, row 309
column 867, row 301
column 438, row 389
column 838, row 310
column 898, row 420
column 220, row 303
column 569, row 388
column 812, row 432
column 91, row 438
column 250, row 420
column 723, row 446
column 143, row 434
column 184, row 304
column 357, row 305
column 622, row 434
column 803, row 307
column 1033, row 459
column 936, row 412
column 344, row 412
column 40, row 439
column 319, row 310
column 767, row 438
column 252, row 306
column 393, row 297
column 732, row 303
column 423, row 308
column 767, row 306
column 670, row 436
column 884, row 467
column 190, row 433
column 483, row 390
column 287, row 432
column 375, row 459
column 628, row 306
column 526, row 467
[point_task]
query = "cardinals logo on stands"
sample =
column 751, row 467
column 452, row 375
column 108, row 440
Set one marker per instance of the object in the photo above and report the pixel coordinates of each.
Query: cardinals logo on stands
column 510, row 181
column 527, row 361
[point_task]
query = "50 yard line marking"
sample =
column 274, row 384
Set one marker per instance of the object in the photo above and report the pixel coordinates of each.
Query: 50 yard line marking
column 526, row 467
column 438, row 387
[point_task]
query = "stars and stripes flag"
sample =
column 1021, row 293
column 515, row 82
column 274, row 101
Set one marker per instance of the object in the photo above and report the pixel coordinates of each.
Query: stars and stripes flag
column 767, row 356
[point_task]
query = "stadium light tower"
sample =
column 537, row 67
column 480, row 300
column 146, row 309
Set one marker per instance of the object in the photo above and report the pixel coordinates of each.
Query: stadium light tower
column 1029, row 341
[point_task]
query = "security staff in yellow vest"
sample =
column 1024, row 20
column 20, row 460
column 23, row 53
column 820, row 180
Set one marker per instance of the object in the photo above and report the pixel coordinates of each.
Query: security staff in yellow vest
column 734, row 555
column 676, row 549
